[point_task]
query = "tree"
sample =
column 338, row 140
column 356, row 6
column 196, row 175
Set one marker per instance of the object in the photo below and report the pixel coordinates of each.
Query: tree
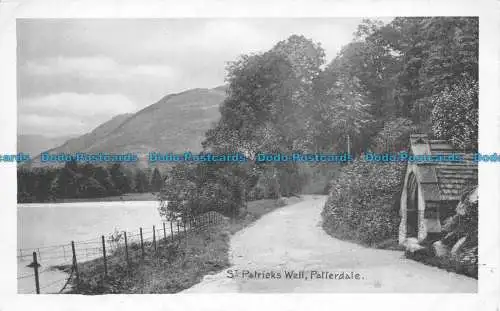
column 394, row 136
column 66, row 185
column 434, row 52
column 156, row 180
column 179, row 189
column 341, row 109
column 102, row 176
column 141, row 181
column 267, row 110
column 455, row 114
column 119, row 179
column 89, row 187
column 45, row 181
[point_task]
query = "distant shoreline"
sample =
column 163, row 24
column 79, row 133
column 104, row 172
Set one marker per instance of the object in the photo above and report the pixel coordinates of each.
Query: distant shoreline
column 146, row 196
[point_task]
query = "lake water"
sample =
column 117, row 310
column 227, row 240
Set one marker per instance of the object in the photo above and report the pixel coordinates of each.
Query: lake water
column 49, row 228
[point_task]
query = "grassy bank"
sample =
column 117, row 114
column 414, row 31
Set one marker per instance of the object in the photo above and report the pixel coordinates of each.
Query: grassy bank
column 175, row 265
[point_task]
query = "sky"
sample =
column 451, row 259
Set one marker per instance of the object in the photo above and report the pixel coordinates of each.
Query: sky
column 74, row 74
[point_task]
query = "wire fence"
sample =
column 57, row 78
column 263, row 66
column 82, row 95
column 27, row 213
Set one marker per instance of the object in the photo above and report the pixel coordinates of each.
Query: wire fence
column 60, row 262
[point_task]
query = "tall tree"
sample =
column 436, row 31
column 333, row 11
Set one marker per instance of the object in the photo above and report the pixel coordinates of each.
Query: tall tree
column 156, row 180
column 119, row 179
column 434, row 53
column 141, row 181
column 66, row 185
column 455, row 116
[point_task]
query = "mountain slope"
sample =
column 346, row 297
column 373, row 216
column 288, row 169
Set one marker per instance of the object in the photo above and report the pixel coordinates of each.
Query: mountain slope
column 175, row 123
column 87, row 140
column 34, row 144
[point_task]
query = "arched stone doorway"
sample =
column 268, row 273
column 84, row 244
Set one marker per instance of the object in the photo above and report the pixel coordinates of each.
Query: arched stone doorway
column 412, row 207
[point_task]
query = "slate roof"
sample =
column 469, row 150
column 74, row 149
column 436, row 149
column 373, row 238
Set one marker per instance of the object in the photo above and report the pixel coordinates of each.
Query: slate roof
column 442, row 181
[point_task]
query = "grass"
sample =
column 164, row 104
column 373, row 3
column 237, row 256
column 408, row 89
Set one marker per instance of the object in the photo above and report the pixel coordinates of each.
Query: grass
column 146, row 196
column 174, row 266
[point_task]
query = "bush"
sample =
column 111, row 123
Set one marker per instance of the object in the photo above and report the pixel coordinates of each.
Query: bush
column 363, row 202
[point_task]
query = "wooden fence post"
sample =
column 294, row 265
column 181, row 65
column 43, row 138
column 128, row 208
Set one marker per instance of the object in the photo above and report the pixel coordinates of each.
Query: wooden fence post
column 126, row 249
column 75, row 267
column 154, row 237
column 178, row 229
column 142, row 242
column 104, row 256
column 35, row 267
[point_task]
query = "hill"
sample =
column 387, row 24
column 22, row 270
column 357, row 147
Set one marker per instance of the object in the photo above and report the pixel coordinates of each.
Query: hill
column 175, row 123
column 34, row 144
column 86, row 141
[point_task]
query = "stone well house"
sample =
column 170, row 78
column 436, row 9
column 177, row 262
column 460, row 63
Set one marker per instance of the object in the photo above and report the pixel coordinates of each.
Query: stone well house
column 432, row 190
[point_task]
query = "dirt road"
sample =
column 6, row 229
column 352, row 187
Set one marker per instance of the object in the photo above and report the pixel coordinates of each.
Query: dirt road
column 291, row 240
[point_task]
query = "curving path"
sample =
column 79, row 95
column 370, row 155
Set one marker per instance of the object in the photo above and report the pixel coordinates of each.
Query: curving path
column 291, row 239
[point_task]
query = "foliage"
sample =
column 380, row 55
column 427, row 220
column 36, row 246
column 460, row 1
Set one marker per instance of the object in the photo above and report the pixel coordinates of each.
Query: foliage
column 119, row 179
column 413, row 74
column 179, row 186
column 77, row 181
column 394, row 136
column 455, row 114
column 141, row 182
column 193, row 189
column 171, row 268
column 267, row 110
column 156, row 180
column 362, row 205
column 434, row 53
